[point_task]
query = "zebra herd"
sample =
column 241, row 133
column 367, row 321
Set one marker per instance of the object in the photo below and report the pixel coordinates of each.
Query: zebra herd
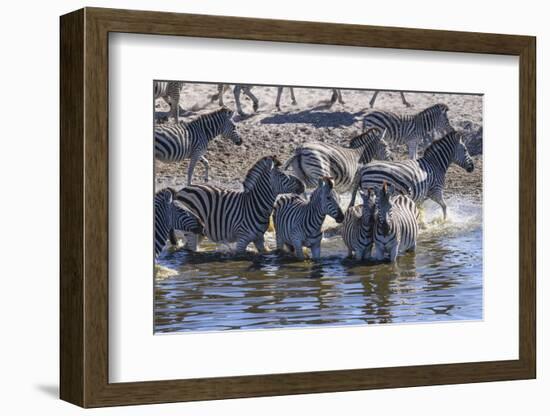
column 384, row 225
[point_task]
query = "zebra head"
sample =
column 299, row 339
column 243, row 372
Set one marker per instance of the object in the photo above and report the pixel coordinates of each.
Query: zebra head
column 185, row 221
column 327, row 199
column 283, row 183
column 372, row 145
column 229, row 131
column 461, row 156
column 369, row 203
column 384, row 207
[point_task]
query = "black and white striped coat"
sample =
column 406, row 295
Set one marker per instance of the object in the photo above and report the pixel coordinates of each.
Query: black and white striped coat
column 298, row 222
column 170, row 217
column 396, row 225
column 411, row 130
column 240, row 216
column 315, row 160
column 177, row 142
column 423, row 178
column 170, row 91
column 358, row 227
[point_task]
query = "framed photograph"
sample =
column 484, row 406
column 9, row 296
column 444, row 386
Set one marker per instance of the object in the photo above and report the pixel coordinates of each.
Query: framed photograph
column 257, row 207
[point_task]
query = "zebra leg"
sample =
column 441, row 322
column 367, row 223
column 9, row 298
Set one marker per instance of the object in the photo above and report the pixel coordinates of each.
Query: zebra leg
column 373, row 99
column 206, row 167
column 350, row 253
column 190, row 170
column 278, row 101
column 280, row 242
column 255, row 102
column 438, row 198
column 298, row 249
column 192, row 241
column 176, row 106
column 242, row 244
column 237, row 94
column 221, row 88
column 405, row 103
column 316, row 251
column 292, row 96
column 379, row 252
column 339, row 94
column 259, row 243
column 393, row 252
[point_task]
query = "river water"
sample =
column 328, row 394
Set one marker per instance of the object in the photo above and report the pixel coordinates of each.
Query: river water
column 212, row 290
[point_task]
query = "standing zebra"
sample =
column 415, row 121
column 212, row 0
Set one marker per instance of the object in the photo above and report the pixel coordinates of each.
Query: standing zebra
column 411, row 130
column 170, row 217
column 315, row 160
column 396, row 225
column 422, row 178
column 237, row 90
column 358, row 227
column 241, row 216
column 298, row 222
column 174, row 143
column 170, row 92
column 373, row 99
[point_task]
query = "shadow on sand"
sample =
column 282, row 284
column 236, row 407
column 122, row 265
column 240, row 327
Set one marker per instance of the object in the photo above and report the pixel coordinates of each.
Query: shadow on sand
column 316, row 117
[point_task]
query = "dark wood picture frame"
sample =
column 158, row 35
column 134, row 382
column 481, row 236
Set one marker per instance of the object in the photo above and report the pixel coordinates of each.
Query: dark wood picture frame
column 84, row 207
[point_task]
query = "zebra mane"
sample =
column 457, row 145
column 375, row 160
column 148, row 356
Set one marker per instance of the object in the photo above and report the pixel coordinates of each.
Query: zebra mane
column 370, row 136
column 453, row 137
column 256, row 172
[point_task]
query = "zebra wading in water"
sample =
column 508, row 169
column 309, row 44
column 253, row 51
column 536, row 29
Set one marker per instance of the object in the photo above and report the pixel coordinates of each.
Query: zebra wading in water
column 358, row 227
column 170, row 217
column 411, row 130
column 298, row 222
column 241, row 216
column 315, row 160
column 422, row 178
column 396, row 225
column 177, row 142
column 170, row 92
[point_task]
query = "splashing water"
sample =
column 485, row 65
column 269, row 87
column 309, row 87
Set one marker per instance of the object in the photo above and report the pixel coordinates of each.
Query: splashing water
column 214, row 290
